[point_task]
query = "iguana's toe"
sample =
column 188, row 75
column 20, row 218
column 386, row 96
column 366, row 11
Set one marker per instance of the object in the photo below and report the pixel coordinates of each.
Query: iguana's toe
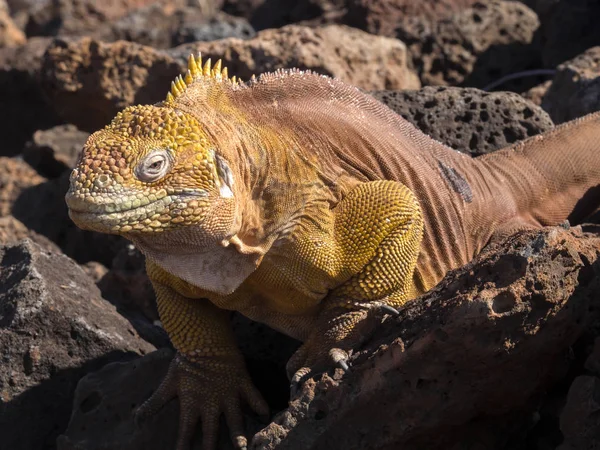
column 330, row 343
column 206, row 390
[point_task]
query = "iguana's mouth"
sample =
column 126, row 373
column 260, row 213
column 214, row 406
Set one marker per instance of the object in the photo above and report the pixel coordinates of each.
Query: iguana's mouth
column 127, row 215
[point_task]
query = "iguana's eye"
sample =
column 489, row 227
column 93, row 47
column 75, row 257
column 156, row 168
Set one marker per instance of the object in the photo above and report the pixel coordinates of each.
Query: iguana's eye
column 154, row 166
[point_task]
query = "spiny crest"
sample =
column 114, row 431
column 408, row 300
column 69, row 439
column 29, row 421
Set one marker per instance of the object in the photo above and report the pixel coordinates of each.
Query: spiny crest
column 198, row 71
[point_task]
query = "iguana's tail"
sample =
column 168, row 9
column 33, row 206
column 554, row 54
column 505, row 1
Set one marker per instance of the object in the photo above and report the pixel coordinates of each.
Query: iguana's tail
column 552, row 177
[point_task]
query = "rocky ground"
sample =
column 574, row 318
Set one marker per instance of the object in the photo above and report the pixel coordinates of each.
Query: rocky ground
column 503, row 354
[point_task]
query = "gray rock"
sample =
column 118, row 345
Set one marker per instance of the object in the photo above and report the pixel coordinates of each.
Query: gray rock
column 192, row 29
column 54, row 328
column 467, row 119
column 104, row 407
column 53, row 151
column 105, row 402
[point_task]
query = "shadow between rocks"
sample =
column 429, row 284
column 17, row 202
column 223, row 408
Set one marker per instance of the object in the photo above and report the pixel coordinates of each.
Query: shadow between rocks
column 24, row 420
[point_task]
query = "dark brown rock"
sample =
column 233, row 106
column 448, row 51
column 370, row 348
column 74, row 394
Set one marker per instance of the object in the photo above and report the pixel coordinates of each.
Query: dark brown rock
column 101, row 78
column 42, row 208
column 575, row 89
column 15, row 177
column 12, row 231
column 592, row 363
column 487, row 342
column 54, row 328
column 467, row 119
column 127, row 284
column 568, row 28
column 356, row 57
column 24, row 106
column 475, row 46
column 537, row 93
column 52, row 152
column 580, row 421
column 39, row 205
column 383, row 17
column 104, row 404
column 263, row 14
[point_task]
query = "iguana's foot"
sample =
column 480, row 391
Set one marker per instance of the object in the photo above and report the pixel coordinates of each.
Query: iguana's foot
column 336, row 334
column 206, row 389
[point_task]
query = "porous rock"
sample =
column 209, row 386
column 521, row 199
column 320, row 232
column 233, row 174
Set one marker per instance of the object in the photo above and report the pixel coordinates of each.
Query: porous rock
column 488, row 341
column 356, row 57
column 127, row 284
column 475, row 46
column 52, row 152
column 467, row 119
column 103, row 78
column 383, row 17
column 54, row 328
column 575, row 89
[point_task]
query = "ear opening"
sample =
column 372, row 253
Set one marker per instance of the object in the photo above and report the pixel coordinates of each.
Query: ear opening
column 225, row 177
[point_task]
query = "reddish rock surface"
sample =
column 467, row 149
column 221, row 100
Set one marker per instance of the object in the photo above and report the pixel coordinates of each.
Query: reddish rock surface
column 383, row 17
column 101, row 78
column 488, row 341
column 10, row 34
column 475, row 46
column 361, row 59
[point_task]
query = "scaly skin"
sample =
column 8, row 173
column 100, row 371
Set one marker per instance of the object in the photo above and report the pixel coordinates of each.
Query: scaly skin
column 303, row 204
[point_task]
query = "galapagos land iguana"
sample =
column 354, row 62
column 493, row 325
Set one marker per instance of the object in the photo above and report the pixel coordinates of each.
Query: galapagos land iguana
column 307, row 205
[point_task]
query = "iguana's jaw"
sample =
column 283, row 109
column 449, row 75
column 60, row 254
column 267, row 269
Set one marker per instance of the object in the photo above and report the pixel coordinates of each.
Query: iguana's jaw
column 134, row 213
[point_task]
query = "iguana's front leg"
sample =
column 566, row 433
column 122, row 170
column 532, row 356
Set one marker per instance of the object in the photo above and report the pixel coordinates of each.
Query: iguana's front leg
column 208, row 373
column 378, row 229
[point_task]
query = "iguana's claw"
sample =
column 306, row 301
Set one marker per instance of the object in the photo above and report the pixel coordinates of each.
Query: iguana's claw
column 206, row 390
column 329, row 344
column 389, row 309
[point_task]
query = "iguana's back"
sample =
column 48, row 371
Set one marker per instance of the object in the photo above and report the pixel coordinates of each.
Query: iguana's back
column 465, row 201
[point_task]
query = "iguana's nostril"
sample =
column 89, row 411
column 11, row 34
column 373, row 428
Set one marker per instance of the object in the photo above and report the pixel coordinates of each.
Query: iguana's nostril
column 102, row 180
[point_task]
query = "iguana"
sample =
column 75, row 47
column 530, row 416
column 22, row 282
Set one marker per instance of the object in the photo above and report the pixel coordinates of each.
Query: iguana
column 307, row 205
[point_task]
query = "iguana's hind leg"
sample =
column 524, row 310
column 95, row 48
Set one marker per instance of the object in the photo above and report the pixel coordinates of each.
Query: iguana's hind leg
column 387, row 216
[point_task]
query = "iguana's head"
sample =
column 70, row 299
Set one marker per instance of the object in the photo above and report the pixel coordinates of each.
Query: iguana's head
column 151, row 169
